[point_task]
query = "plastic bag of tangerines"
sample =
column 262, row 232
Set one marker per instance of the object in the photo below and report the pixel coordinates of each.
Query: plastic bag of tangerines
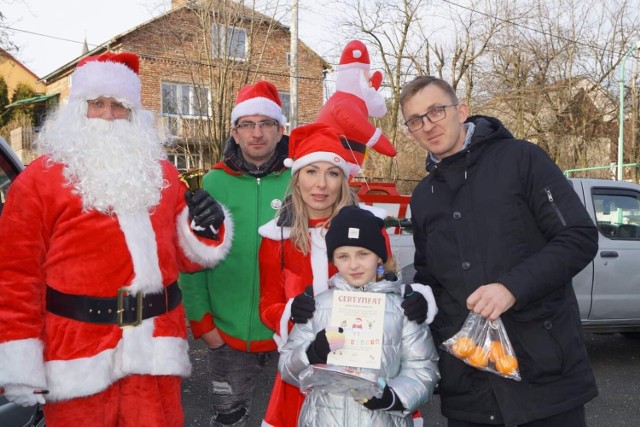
column 484, row 344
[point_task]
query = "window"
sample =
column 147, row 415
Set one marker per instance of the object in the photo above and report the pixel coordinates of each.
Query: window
column 180, row 101
column 184, row 100
column 285, row 97
column 617, row 213
column 229, row 42
column 178, row 160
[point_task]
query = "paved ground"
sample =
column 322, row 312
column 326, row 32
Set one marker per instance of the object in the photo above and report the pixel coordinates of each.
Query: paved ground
column 615, row 360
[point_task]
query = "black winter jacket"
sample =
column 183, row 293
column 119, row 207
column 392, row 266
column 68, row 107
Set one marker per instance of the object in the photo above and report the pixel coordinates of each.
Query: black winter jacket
column 502, row 211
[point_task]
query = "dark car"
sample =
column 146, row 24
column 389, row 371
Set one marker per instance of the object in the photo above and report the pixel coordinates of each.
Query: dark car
column 12, row 415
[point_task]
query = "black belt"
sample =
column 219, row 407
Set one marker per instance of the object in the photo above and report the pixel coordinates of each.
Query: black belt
column 124, row 310
column 352, row 145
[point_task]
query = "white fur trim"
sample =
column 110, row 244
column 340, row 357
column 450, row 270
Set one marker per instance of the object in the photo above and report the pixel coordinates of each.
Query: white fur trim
column 321, row 156
column 139, row 352
column 319, row 261
column 427, row 293
column 351, row 65
column 141, row 242
column 354, row 169
column 21, row 362
column 281, row 338
column 196, row 250
column 143, row 353
column 110, row 79
column 258, row 106
column 266, row 424
column 272, row 231
column 374, row 138
column 376, row 210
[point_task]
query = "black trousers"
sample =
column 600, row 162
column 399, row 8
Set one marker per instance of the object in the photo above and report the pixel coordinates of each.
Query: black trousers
column 572, row 418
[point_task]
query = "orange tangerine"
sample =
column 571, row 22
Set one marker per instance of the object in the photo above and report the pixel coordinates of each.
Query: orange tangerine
column 479, row 358
column 496, row 351
column 506, row 364
column 463, row 347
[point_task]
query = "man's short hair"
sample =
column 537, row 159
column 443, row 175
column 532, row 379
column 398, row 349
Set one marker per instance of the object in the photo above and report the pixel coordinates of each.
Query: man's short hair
column 419, row 83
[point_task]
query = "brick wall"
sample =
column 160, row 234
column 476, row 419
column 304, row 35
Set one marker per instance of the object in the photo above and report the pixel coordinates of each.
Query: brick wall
column 176, row 48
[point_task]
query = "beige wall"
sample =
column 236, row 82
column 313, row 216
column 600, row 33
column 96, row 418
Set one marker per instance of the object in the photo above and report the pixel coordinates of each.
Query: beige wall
column 15, row 73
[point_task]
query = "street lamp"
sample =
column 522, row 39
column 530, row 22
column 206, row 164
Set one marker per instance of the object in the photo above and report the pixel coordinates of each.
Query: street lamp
column 621, row 117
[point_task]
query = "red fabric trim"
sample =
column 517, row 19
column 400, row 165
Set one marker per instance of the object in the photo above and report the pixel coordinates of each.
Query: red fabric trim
column 251, row 347
column 202, row 326
column 227, row 169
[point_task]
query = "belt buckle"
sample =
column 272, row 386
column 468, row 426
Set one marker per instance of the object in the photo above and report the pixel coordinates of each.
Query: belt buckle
column 122, row 293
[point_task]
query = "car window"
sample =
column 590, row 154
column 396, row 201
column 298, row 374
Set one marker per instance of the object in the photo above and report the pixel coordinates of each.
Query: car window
column 617, row 213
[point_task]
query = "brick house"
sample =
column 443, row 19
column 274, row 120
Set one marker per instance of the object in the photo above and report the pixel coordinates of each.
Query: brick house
column 194, row 59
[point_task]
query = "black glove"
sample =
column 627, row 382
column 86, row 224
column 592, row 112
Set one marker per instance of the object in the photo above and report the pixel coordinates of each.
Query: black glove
column 388, row 402
column 205, row 212
column 303, row 306
column 414, row 305
column 390, row 276
column 319, row 348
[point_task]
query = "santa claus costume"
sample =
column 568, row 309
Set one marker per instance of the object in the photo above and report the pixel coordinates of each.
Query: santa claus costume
column 97, row 231
column 355, row 100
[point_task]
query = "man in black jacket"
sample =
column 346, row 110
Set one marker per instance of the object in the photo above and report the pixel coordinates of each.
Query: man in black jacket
column 498, row 230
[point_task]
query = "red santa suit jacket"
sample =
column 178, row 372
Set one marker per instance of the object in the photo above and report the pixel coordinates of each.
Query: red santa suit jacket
column 278, row 285
column 49, row 240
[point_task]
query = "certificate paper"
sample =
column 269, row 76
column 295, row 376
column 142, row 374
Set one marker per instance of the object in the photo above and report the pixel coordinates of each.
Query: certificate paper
column 361, row 316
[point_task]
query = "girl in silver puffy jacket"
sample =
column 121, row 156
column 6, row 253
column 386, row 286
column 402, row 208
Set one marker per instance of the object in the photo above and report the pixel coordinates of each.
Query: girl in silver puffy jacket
column 409, row 361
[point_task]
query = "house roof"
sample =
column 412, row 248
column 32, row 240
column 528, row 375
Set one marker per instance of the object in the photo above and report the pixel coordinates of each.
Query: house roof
column 70, row 66
column 12, row 58
column 32, row 100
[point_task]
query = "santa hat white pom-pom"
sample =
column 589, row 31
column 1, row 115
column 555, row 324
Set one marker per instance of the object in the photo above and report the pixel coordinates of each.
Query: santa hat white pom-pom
column 288, row 162
column 357, row 53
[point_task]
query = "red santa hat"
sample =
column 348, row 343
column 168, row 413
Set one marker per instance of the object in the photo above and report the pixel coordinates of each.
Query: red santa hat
column 354, row 55
column 258, row 99
column 112, row 75
column 316, row 142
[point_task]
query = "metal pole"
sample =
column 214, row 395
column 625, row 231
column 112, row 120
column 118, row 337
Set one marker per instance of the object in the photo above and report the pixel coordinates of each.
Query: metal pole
column 293, row 58
column 621, row 112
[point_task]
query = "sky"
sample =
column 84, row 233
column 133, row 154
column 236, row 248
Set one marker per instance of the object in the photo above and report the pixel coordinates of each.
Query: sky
column 51, row 33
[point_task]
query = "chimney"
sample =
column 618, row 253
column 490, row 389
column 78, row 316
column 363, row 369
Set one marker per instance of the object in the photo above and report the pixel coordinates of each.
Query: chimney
column 179, row 3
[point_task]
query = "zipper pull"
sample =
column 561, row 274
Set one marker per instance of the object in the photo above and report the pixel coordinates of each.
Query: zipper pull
column 258, row 181
column 549, row 196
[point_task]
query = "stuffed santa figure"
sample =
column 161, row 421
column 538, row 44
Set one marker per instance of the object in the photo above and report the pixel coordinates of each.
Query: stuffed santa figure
column 95, row 231
column 355, row 100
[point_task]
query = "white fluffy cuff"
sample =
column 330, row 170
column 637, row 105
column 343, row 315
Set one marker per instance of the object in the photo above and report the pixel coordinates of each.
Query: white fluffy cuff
column 22, row 362
column 196, row 250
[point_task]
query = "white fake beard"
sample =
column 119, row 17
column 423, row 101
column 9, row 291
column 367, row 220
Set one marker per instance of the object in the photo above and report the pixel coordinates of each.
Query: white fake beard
column 113, row 165
column 353, row 81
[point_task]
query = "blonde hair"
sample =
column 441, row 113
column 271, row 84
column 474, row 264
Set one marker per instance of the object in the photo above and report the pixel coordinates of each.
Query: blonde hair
column 296, row 206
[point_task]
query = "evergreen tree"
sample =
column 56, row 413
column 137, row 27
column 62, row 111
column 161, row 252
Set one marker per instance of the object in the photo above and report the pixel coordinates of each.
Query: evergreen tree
column 24, row 113
column 5, row 115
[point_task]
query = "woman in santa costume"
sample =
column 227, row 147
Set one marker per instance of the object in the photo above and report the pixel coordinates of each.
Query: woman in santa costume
column 293, row 255
column 96, row 231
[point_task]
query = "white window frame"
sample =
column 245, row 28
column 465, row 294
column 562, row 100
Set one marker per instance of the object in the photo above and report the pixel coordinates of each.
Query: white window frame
column 222, row 32
column 285, row 97
column 185, row 105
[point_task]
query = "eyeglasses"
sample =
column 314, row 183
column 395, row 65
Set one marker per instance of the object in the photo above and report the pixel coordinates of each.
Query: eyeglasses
column 117, row 108
column 264, row 124
column 433, row 115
